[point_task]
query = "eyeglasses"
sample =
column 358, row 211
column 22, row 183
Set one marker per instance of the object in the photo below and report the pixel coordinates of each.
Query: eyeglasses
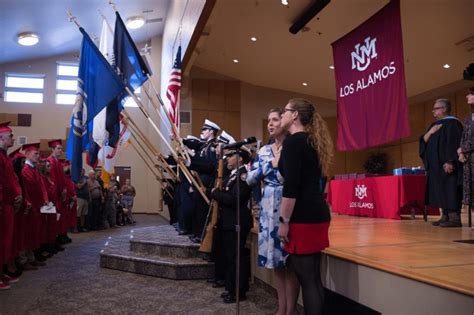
column 436, row 108
column 284, row 110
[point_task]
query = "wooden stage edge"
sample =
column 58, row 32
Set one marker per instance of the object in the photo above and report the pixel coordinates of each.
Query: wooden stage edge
column 409, row 248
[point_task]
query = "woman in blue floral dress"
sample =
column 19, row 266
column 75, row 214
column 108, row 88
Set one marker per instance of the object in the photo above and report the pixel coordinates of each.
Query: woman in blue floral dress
column 265, row 170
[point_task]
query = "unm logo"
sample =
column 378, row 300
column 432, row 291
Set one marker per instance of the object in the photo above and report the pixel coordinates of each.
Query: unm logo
column 361, row 191
column 363, row 54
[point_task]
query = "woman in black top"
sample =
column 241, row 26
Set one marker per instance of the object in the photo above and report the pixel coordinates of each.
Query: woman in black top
column 304, row 214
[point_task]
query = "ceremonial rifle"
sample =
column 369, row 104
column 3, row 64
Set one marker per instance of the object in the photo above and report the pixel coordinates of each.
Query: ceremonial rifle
column 211, row 219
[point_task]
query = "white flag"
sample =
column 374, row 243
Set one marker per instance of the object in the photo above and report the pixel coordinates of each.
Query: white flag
column 99, row 133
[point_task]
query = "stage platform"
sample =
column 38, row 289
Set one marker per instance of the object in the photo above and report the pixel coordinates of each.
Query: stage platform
column 389, row 264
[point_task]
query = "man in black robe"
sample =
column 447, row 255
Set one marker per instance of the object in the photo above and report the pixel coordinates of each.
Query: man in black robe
column 444, row 173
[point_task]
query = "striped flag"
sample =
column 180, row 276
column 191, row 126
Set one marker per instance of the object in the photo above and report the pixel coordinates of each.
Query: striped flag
column 174, row 86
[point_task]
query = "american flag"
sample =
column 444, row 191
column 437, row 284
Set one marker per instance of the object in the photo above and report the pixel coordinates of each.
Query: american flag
column 174, row 86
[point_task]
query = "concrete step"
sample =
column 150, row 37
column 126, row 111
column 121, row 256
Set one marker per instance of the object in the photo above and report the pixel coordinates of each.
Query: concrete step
column 117, row 255
column 163, row 241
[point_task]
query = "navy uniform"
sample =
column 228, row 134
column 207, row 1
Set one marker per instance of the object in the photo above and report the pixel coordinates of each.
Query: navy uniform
column 204, row 162
column 217, row 253
column 184, row 192
column 227, row 221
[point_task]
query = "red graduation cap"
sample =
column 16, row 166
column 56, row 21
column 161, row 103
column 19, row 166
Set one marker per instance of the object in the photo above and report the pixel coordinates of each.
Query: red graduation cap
column 4, row 127
column 53, row 143
column 31, row 147
column 16, row 154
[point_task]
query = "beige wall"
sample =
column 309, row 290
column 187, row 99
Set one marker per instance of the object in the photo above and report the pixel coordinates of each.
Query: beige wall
column 50, row 120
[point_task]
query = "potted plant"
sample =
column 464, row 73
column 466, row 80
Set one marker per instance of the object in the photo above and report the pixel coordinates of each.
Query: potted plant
column 376, row 163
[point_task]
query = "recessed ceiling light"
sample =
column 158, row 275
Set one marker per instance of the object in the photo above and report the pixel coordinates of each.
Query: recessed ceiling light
column 284, row 2
column 446, row 66
column 135, row 22
column 331, row 67
column 28, row 39
column 253, row 39
column 305, row 84
column 235, row 61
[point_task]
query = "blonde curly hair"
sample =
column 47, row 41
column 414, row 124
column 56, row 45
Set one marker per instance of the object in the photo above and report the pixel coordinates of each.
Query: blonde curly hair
column 317, row 129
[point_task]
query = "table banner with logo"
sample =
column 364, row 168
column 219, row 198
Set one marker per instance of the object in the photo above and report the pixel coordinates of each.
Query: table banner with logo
column 379, row 197
column 372, row 106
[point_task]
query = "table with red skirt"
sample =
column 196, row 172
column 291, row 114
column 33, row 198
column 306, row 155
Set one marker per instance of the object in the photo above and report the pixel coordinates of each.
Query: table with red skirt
column 379, row 197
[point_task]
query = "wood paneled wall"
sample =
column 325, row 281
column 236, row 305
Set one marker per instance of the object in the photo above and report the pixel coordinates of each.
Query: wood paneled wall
column 405, row 151
column 219, row 101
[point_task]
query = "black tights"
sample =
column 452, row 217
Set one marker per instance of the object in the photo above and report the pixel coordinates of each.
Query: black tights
column 308, row 272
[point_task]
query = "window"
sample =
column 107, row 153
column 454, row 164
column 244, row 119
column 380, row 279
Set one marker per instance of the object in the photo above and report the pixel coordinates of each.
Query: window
column 24, row 88
column 130, row 102
column 66, row 83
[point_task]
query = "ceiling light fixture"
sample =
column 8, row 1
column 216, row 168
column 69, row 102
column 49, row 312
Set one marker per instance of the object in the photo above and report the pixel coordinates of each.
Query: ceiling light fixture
column 305, row 84
column 284, row 2
column 253, row 39
column 235, row 61
column 28, row 39
column 446, row 66
column 135, row 22
column 331, row 67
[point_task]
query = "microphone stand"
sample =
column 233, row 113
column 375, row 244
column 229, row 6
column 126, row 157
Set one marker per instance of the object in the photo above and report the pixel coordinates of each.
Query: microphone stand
column 237, row 229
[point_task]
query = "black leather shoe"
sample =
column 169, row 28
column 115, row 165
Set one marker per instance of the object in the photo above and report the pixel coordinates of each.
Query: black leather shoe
column 196, row 240
column 231, row 299
column 225, row 294
column 218, row 284
column 183, row 232
column 211, row 280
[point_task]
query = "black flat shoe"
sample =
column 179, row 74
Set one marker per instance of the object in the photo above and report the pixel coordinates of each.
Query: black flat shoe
column 218, row 284
column 231, row 299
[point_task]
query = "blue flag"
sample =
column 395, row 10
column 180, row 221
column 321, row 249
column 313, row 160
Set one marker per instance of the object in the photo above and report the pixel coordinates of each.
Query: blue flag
column 98, row 85
column 131, row 68
column 130, row 64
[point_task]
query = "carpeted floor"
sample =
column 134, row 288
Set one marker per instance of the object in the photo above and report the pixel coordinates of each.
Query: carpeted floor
column 73, row 283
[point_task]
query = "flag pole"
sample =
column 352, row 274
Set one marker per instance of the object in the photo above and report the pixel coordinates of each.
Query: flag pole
column 173, row 127
column 146, row 92
column 158, row 178
column 150, row 146
column 160, row 100
column 186, row 171
column 72, row 18
column 157, row 166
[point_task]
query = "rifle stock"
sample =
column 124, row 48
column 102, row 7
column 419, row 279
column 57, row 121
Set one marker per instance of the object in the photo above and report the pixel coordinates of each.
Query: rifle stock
column 211, row 221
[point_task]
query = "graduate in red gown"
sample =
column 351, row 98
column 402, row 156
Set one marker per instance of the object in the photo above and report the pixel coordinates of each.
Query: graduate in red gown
column 59, row 180
column 71, row 218
column 11, row 200
column 50, row 222
column 36, row 194
column 18, row 160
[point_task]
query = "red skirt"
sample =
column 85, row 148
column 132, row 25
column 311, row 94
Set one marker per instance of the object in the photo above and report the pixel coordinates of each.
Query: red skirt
column 307, row 238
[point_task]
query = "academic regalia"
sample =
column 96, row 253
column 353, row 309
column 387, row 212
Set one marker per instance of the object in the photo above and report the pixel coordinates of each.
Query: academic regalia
column 50, row 223
column 443, row 190
column 20, row 217
column 59, row 179
column 71, row 204
column 10, row 190
column 37, row 196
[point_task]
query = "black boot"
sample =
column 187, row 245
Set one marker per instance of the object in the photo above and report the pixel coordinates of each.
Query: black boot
column 444, row 218
column 454, row 220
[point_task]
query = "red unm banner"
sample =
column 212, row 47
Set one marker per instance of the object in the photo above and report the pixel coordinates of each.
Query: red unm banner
column 372, row 106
